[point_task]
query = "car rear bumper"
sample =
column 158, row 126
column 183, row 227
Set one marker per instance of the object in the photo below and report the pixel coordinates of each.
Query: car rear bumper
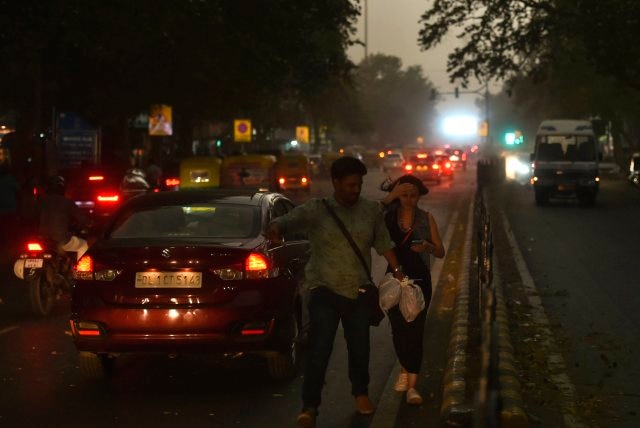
column 179, row 330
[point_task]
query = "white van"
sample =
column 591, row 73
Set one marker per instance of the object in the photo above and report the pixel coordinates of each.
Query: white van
column 565, row 161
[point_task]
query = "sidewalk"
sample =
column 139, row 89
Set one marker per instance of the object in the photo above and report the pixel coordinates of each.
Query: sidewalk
column 448, row 274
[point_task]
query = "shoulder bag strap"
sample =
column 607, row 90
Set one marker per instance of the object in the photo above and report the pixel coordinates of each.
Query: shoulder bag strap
column 347, row 235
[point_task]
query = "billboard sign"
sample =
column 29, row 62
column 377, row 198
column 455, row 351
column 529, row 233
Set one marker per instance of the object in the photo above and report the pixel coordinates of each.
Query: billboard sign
column 160, row 120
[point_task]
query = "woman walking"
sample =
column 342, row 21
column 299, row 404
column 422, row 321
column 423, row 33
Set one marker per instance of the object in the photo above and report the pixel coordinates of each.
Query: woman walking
column 416, row 236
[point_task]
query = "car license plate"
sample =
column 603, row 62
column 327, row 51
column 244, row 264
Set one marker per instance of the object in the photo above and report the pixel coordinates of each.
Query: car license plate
column 168, row 279
column 33, row 263
column 565, row 187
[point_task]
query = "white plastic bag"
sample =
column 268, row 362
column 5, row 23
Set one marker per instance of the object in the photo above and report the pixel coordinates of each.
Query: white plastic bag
column 411, row 300
column 389, row 289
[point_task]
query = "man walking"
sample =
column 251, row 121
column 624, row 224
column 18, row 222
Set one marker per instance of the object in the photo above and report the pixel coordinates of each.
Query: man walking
column 334, row 274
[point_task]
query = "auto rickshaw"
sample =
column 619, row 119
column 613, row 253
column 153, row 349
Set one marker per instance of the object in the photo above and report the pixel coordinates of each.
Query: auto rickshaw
column 200, row 172
column 250, row 171
column 293, row 172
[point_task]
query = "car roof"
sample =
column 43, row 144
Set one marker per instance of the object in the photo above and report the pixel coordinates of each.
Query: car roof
column 185, row 197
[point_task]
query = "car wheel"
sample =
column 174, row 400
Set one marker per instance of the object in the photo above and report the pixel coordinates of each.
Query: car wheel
column 283, row 365
column 41, row 295
column 95, row 366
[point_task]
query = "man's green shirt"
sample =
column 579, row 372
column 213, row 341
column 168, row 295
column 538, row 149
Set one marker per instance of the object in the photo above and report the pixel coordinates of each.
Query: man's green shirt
column 333, row 263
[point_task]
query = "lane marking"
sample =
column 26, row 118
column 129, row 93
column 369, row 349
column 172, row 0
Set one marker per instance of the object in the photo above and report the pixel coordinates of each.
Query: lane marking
column 555, row 361
column 8, row 329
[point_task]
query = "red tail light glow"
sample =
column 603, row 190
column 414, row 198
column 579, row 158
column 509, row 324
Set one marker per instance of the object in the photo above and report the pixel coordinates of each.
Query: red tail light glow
column 422, row 155
column 96, row 177
column 256, row 262
column 281, row 180
column 408, row 167
column 304, row 180
column 447, row 165
column 85, row 264
column 108, row 198
column 435, row 166
column 170, row 182
column 34, row 247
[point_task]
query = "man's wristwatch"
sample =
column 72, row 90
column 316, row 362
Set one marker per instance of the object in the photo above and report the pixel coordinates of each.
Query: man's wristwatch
column 397, row 269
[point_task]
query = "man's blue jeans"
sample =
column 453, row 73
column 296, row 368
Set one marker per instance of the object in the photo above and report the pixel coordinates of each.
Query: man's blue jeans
column 326, row 310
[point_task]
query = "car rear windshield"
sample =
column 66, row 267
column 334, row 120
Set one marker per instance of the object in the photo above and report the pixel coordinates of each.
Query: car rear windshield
column 206, row 221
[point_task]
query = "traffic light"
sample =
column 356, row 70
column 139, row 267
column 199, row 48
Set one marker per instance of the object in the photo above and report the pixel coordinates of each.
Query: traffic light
column 519, row 138
column 513, row 138
column 510, row 138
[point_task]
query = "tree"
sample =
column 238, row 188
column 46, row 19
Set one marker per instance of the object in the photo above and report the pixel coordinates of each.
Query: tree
column 213, row 59
column 582, row 55
column 397, row 102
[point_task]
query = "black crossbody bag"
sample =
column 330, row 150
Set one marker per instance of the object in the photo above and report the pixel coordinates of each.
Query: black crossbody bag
column 368, row 291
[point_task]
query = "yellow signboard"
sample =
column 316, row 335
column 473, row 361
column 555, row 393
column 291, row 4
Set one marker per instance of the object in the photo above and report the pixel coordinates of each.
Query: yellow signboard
column 160, row 120
column 483, row 130
column 302, row 134
column 242, row 131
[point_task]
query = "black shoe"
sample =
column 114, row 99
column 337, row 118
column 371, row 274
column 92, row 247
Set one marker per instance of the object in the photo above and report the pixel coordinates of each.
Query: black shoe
column 307, row 418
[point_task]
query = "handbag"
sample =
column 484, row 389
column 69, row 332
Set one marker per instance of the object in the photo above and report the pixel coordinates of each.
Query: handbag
column 368, row 292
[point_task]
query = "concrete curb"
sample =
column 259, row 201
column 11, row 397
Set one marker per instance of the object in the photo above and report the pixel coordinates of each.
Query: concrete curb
column 454, row 410
column 512, row 413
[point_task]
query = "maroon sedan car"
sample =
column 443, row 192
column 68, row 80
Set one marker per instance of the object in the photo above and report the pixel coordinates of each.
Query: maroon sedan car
column 190, row 272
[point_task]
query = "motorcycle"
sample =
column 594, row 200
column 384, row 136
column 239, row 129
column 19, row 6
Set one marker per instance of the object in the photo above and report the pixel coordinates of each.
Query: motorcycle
column 46, row 269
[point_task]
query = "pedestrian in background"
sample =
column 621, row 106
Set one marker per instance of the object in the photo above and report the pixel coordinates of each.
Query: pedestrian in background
column 9, row 204
column 334, row 275
column 416, row 235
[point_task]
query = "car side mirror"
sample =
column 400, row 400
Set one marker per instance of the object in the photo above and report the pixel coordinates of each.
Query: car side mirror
column 532, row 157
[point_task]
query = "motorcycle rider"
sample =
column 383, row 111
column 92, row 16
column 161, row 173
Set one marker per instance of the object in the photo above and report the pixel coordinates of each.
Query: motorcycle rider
column 57, row 214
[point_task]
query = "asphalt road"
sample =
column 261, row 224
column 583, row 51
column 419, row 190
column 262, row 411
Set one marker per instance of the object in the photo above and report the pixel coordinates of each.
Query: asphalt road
column 583, row 263
column 40, row 383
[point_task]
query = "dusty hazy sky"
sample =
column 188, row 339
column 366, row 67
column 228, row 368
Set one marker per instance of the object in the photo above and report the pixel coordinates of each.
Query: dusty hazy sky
column 393, row 30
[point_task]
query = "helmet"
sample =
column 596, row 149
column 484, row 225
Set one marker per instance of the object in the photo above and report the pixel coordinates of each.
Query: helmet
column 55, row 185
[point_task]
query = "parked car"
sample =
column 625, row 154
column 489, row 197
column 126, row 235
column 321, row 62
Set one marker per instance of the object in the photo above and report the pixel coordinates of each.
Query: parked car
column 424, row 167
column 392, row 161
column 190, row 271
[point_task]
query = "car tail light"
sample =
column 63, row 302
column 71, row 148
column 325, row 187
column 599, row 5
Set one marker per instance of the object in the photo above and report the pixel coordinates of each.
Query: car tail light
column 96, row 178
column 85, row 328
column 408, row 167
column 256, row 328
column 381, row 155
column 35, row 247
column 448, row 165
column 435, row 166
column 171, row 182
column 304, row 180
column 255, row 266
column 422, row 155
column 108, row 198
column 281, row 180
column 84, row 268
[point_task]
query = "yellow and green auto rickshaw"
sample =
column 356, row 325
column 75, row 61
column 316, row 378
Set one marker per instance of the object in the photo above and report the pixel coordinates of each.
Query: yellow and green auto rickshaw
column 249, row 171
column 200, row 172
column 293, row 172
